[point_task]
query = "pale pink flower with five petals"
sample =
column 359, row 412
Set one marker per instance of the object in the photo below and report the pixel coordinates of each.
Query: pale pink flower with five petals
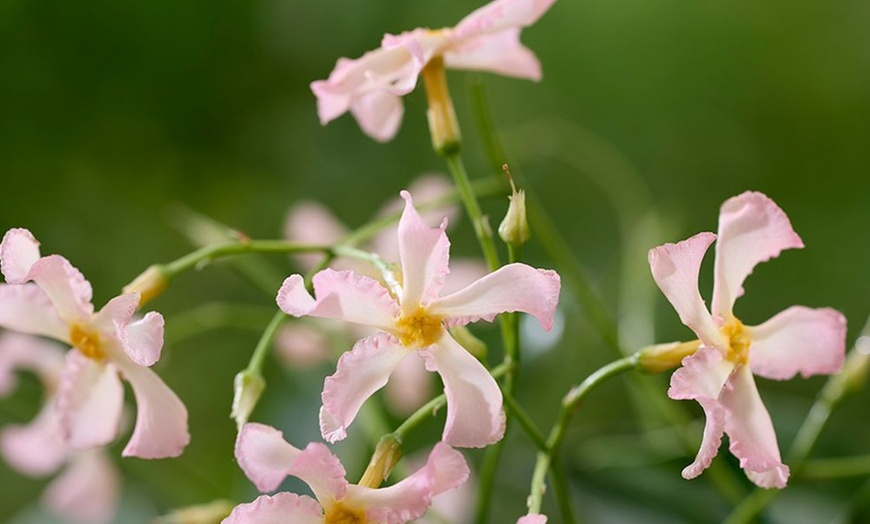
column 371, row 87
column 266, row 458
column 106, row 345
column 752, row 229
column 415, row 318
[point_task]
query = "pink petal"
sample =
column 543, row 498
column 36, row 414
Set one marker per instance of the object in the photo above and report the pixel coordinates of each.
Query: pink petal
column 714, row 426
column 752, row 229
column 66, row 287
column 28, row 353
column 379, row 114
column 750, row 429
column 360, row 372
column 35, row 449
column 501, row 14
column 675, row 268
column 534, row 518
column 409, row 498
column 343, row 295
column 119, row 310
column 302, row 346
column 514, row 287
column 799, row 340
column 410, row 386
column 89, row 403
column 281, row 508
column 26, row 308
column 500, row 53
column 161, row 418
column 87, row 491
column 424, row 252
column 264, row 455
column 310, row 222
column 18, row 251
column 321, row 470
column 475, row 417
column 143, row 339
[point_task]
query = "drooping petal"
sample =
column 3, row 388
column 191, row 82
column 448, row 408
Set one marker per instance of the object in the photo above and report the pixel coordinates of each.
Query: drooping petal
column 89, row 403
column 675, row 268
column 714, row 427
column 161, row 418
column 799, row 340
column 87, row 491
column 66, row 287
column 26, row 308
column 37, row 448
column 379, row 114
column 342, row 295
column 501, row 14
column 28, row 353
column 475, row 417
column 752, row 229
column 264, row 455
column 280, row 508
column 500, row 53
column 360, row 372
column 750, row 430
column 514, row 287
column 409, row 498
column 18, row 251
column 142, row 339
column 534, row 518
column 424, row 252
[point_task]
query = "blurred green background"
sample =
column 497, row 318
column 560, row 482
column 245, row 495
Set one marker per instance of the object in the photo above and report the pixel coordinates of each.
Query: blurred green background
column 649, row 116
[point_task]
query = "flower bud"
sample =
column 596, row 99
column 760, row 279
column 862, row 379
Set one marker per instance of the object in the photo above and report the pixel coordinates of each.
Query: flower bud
column 443, row 125
column 247, row 388
column 148, row 284
column 662, row 357
column 386, row 456
column 514, row 229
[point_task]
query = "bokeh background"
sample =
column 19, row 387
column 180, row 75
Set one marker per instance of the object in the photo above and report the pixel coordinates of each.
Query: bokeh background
column 116, row 114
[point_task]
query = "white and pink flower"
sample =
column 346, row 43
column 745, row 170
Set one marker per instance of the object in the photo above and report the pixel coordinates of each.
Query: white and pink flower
column 266, row 458
column 752, row 229
column 415, row 317
column 371, row 87
column 49, row 297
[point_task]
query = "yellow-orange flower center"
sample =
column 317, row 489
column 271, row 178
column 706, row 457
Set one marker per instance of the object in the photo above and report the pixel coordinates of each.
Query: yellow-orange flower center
column 738, row 341
column 419, row 329
column 341, row 514
column 87, row 342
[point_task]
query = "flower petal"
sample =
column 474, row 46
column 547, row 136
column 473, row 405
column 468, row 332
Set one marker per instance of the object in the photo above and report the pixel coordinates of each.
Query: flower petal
column 301, row 346
column 87, row 491
column 321, row 470
column 360, row 372
column 264, row 455
column 410, row 386
column 501, row 14
column 475, row 417
column 35, row 449
column 277, row 509
column 514, row 287
column 675, row 268
column 161, row 418
column 534, row 518
column 379, row 114
column 799, row 340
column 752, row 229
column 66, row 287
column 500, row 53
column 26, row 308
column 18, row 251
column 714, row 426
column 409, row 498
column 750, row 429
column 89, row 402
column 343, row 295
column 310, row 222
column 28, row 353
column 142, row 339
column 424, row 252
column 119, row 310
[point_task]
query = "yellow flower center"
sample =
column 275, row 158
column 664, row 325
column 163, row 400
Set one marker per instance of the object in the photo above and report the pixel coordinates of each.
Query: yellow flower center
column 87, row 342
column 341, row 514
column 738, row 341
column 419, row 329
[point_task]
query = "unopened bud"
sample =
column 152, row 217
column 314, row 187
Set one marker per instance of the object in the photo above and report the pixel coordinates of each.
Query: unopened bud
column 386, row 456
column 514, row 229
column 466, row 339
column 662, row 357
column 443, row 125
column 211, row 513
column 247, row 388
column 148, row 284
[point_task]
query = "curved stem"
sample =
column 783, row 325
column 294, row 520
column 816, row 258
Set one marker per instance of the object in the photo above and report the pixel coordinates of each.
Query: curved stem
column 482, row 229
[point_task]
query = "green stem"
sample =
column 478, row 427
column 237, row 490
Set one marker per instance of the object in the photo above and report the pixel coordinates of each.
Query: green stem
column 215, row 251
column 525, row 421
column 255, row 366
column 858, row 466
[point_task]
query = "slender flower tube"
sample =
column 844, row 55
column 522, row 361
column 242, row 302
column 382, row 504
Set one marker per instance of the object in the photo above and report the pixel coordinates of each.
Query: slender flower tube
column 752, row 229
column 414, row 317
column 47, row 296
column 266, row 458
column 371, row 87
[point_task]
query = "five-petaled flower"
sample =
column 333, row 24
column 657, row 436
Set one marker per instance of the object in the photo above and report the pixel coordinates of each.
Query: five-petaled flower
column 106, row 344
column 370, row 87
column 752, row 229
column 266, row 458
column 414, row 317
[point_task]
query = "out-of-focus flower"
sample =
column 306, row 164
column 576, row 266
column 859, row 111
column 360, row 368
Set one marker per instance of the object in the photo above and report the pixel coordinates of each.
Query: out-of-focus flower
column 752, row 229
column 86, row 491
column 414, row 316
column 535, row 518
column 371, row 87
column 47, row 296
column 266, row 458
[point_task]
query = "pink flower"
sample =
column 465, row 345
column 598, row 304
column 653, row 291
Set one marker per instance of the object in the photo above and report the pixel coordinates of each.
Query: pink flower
column 86, row 491
column 106, row 345
column 534, row 518
column 266, row 458
column 414, row 316
column 370, row 87
column 752, row 229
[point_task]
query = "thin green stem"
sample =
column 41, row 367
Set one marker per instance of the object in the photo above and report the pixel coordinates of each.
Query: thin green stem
column 525, row 421
column 482, row 229
column 858, row 466
column 216, row 251
column 255, row 365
